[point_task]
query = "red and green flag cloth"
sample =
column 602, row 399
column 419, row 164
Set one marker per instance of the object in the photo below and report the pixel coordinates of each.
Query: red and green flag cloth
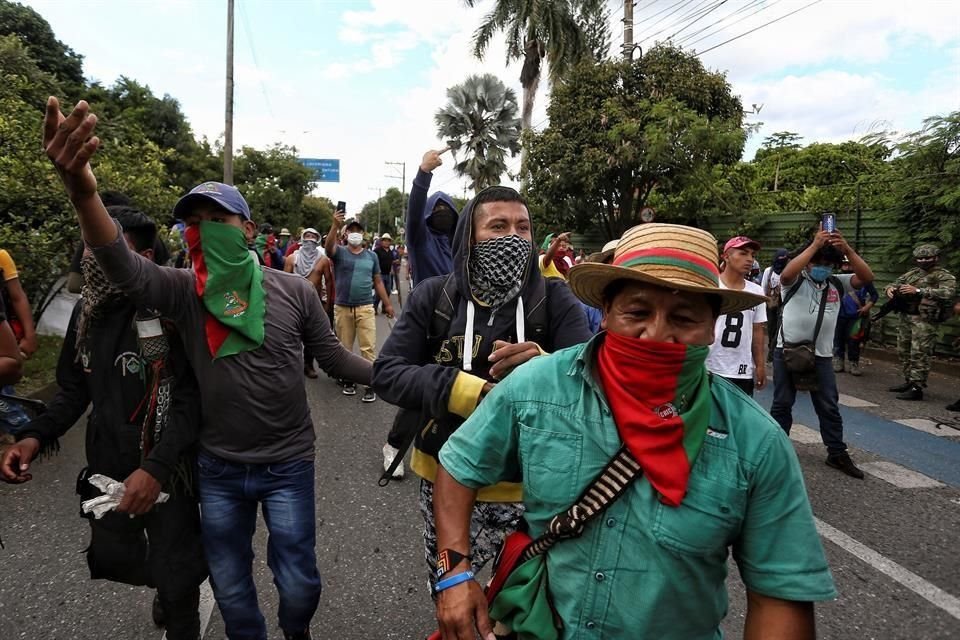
column 659, row 394
column 230, row 283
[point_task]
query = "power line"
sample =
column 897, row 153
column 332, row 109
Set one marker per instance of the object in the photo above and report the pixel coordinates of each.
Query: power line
column 704, row 14
column 766, row 24
column 693, row 14
column 253, row 54
column 686, row 39
column 683, row 4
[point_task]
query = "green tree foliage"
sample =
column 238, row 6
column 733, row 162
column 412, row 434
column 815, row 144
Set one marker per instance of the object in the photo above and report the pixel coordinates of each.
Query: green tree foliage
column 389, row 209
column 623, row 135
column 480, row 121
column 316, row 212
column 927, row 206
column 537, row 30
column 274, row 184
column 51, row 56
column 37, row 223
column 129, row 108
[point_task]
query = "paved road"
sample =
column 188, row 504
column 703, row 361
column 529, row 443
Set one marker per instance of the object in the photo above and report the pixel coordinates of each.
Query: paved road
column 891, row 539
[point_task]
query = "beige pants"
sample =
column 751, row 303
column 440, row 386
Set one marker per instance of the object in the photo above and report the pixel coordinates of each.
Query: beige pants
column 358, row 323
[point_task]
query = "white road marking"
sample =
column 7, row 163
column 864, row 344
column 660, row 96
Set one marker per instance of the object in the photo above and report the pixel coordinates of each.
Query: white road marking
column 926, row 590
column 927, row 426
column 899, row 476
column 804, row 434
column 851, row 401
column 205, row 609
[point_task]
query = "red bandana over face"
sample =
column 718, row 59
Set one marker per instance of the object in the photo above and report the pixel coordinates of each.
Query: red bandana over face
column 659, row 394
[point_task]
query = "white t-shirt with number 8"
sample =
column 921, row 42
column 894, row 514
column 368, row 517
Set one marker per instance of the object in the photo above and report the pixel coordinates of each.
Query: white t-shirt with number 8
column 731, row 354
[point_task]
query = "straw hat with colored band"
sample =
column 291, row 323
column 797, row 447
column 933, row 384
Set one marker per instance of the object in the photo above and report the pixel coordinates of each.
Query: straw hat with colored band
column 665, row 255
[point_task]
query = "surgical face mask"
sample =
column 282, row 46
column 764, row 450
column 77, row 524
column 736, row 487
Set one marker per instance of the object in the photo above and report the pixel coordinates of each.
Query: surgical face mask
column 354, row 239
column 820, row 273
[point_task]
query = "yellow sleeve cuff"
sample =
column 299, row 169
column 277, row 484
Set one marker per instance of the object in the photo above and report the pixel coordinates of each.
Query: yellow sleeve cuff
column 465, row 394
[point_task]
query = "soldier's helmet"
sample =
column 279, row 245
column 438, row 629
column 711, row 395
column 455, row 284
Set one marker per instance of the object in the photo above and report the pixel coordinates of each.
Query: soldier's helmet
column 926, row 251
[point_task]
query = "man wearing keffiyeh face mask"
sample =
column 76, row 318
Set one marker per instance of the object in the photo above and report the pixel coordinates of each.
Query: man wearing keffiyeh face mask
column 142, row 431
column 500, row 312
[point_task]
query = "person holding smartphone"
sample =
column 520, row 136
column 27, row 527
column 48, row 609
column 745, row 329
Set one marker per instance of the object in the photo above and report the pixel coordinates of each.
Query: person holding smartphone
column 356, row 273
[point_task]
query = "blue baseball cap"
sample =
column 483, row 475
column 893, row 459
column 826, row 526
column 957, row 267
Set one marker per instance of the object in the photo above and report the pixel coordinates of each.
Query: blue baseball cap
column 223, row 195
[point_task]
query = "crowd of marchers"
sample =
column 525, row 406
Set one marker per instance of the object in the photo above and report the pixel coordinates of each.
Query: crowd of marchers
column 588, row 421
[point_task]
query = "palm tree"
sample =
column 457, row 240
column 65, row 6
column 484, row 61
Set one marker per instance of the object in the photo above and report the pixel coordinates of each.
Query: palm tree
column 537, row 30
column 480, row 118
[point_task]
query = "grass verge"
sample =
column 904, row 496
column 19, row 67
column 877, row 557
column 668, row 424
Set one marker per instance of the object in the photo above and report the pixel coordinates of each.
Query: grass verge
column 41, row 369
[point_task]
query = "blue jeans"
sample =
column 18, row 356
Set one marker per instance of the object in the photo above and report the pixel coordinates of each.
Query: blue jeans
column 13, row 418
column 229, row 495
column 825, row 401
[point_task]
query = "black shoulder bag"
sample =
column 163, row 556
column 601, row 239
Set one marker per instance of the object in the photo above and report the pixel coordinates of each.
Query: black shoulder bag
column 800, row 357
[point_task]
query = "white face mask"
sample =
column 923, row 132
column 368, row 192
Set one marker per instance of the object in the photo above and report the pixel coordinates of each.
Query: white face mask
column 354, row 239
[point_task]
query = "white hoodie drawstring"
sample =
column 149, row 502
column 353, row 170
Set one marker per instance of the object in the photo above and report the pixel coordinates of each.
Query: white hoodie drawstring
column 468, row 338
column 468, row 332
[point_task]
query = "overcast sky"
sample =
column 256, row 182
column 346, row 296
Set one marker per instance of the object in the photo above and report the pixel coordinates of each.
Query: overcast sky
column 360, row 80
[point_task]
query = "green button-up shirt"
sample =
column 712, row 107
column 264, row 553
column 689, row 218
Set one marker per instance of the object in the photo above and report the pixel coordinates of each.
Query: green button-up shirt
column 644, row 569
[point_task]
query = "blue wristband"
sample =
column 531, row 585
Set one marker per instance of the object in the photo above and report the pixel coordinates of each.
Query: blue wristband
column 453, row 581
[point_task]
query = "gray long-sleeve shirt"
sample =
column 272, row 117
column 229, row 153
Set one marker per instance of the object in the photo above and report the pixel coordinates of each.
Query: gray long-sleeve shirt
column 254, row 404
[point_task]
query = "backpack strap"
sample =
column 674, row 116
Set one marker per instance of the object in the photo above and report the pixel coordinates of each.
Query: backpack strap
column 537, row 318
column 444, row 306
column 792, row 291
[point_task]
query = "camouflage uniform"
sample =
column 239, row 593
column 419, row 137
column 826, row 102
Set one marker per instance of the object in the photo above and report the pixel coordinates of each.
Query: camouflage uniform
column 917, row 333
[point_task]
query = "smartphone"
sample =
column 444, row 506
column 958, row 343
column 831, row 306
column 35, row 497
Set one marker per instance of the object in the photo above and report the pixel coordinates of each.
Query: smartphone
column 342, row 206
column 829, row 222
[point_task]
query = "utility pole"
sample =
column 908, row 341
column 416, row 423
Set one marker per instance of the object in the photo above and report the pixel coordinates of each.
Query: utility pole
column 403, row 183
column 228, row 124
column 628, row 45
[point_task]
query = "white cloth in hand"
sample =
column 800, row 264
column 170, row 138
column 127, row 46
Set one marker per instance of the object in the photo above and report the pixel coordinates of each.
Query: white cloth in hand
column 112, row 495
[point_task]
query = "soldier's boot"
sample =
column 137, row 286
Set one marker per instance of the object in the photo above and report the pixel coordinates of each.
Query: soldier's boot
column 953, row 407
column 915, row 392
column 900, row 388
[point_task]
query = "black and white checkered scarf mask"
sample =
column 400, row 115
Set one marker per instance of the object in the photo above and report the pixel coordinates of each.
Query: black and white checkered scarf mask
column 98, row 296
column 497, row 267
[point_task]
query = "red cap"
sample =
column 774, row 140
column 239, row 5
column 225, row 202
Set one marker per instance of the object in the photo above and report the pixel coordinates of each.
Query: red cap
column 740, row 241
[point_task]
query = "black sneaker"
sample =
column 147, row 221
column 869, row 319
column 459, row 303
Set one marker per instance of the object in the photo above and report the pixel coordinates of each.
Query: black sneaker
column 843, row 462
column 900, row 388
column 369, row 395
column 349, row 389
column 914, row 392
column 953, row 407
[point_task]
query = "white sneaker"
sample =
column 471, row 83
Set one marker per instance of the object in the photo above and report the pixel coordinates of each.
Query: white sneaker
column 389, row 453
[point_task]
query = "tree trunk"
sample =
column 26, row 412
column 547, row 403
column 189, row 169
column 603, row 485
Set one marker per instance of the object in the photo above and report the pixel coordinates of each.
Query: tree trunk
column 530, row 81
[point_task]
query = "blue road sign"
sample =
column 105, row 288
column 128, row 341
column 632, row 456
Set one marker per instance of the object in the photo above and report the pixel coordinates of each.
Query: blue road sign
column 324, row 170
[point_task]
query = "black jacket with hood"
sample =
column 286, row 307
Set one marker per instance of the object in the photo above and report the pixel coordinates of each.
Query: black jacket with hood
column 112, row 377
column 425, row 378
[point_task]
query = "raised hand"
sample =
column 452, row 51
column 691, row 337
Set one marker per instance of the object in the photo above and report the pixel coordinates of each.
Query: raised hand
column 69, row 143
column 431, row 160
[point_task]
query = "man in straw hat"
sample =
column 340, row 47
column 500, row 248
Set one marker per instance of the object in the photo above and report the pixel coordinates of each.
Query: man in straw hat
column 717, row 471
